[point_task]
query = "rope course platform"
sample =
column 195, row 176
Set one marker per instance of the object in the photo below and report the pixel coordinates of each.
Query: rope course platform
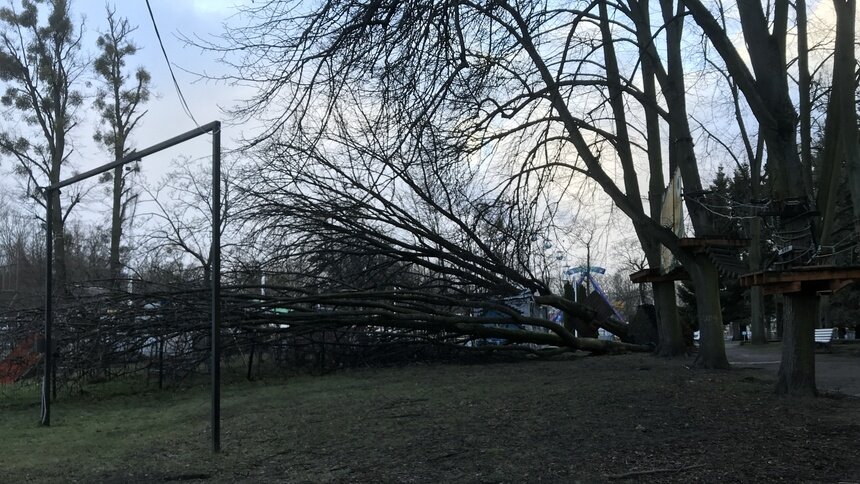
column 703, row 243
column 818, row 279
column 653, row 275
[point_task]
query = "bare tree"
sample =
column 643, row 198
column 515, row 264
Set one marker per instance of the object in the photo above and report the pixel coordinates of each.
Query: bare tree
column 337, row 216
column 767, row 88
column 497, row 78
column 179, row 225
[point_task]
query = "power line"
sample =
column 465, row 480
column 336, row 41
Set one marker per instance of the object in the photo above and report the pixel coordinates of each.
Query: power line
column 182, row 100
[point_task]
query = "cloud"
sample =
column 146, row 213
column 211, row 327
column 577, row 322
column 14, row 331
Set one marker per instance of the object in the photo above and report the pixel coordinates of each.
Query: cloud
column 219, row 7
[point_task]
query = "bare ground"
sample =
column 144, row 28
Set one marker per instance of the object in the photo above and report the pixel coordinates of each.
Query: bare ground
column 591, row 419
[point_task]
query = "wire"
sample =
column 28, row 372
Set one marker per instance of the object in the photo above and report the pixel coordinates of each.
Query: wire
column 170, row 67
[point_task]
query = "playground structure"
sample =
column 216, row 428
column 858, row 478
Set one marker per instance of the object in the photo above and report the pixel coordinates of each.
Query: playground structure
column 594, row 295
column 19, row 362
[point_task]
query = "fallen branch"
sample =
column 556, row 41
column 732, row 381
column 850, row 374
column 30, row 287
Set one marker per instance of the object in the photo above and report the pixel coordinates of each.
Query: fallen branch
column 653, row 471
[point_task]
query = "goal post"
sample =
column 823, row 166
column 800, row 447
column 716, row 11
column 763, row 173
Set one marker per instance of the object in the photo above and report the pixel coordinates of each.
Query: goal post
column 53, row 190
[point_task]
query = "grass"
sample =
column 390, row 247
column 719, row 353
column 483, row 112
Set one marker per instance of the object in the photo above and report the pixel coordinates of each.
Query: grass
column 96, row 433
column 99, row 432
column 589, row 419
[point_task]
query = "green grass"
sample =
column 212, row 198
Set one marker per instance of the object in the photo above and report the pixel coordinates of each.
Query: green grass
column 95, row 434
column 111, row 428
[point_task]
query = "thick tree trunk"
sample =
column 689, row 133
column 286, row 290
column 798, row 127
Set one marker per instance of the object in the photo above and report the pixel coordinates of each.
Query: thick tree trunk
column 712, row 346
column 671, row 339
column 844, row 87
column 823, row 305
column 797, row 371
column 585, row 315
column 592, row 345
column 669, row 330
column 737, row 333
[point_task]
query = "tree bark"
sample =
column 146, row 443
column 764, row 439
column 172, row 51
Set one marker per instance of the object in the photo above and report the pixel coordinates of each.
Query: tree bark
column 671, row 339
column 797, row 370
column 759, row 333
column 60, row 276
column 844, row 87
column 572, row 322
column 116, row 222
column 712, row 349
column 519, row 336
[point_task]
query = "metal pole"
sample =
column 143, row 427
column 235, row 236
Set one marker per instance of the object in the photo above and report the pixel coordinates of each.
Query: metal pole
column 49, row 276
column 588, row 268
column 215, row 264
column 137, row 155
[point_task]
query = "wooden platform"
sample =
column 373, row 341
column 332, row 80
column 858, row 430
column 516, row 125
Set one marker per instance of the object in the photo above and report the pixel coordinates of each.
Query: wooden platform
column 706, row 242
column 653, row 275
column 820, row 279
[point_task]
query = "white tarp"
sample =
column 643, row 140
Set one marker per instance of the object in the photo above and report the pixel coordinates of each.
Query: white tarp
column 671, row 217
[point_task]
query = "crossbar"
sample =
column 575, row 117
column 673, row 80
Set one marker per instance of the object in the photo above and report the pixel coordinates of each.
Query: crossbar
column 137, row 155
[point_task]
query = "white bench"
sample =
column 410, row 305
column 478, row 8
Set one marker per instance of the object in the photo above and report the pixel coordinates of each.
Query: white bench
column 824, row 337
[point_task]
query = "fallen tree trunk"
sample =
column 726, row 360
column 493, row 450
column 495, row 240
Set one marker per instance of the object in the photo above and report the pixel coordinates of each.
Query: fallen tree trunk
column 592, row 345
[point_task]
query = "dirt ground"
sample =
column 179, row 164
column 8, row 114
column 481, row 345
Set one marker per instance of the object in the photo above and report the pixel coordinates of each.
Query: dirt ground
column 586, row 419
column 837, row 369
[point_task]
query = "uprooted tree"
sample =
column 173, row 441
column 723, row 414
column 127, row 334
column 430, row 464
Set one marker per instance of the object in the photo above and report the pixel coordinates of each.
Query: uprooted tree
column 500, row 83
column 412, row 216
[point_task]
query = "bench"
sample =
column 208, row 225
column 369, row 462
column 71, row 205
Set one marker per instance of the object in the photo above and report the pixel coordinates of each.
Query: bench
column 824, row 337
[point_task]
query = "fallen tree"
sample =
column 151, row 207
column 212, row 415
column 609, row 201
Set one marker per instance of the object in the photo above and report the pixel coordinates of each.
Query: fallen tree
column 164, row 330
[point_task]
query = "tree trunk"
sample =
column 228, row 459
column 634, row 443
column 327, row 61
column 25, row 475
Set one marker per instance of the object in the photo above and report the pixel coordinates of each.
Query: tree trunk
column 780, row 316
column 843, row 91
column 572, row 322
column 797, row 371
column 671, row 339
column 735, row 328
column 116, row 225
column 759, row 333
column 756, row 300
column 712, row 349
column 60, row 276
column 592, row 345
column 823, row 320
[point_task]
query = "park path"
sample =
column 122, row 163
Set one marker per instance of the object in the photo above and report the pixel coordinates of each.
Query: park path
column 836, row 371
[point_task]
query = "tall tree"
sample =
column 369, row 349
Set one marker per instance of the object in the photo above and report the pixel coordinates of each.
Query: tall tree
column 762, row 75
column 118, row 102
column 41, row 66
column 671, row 341
column 495, row 76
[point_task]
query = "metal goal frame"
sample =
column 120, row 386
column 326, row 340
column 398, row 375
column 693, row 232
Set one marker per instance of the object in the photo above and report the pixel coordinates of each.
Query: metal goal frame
column 53, row 190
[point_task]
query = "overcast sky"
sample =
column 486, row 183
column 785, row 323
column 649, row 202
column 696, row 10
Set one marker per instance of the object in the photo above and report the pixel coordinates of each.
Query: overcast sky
column 165, row 117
